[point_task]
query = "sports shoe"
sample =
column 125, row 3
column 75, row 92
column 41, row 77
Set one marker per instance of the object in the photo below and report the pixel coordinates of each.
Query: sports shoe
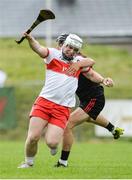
column 53, row 151
column 117, row 132
column 58, row 164
column 25, row 165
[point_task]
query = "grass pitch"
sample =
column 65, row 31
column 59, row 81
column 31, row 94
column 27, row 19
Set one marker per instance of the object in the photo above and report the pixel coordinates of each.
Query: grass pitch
column 100, row 160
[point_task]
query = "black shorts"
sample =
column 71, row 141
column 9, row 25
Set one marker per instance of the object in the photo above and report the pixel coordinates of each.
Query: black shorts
column 93, row 106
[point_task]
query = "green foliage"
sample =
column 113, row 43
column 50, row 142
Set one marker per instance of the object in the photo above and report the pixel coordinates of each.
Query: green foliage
column 91, row 160
column 25, row 72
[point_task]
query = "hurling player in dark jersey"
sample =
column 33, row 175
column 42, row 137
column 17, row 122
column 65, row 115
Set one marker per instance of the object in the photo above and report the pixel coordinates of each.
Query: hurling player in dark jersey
column 92, row 100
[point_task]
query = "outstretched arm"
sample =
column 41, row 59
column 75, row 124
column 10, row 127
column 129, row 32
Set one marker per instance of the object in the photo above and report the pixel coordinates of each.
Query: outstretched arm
column 35, row 46
column 98, row 78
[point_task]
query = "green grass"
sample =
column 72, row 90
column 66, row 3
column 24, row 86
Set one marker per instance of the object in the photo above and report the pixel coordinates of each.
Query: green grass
column 91, row 160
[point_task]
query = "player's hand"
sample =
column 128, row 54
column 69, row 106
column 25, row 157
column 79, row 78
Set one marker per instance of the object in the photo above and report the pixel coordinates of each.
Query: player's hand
column 72, row 70
column 108, row 82
column 27, row 36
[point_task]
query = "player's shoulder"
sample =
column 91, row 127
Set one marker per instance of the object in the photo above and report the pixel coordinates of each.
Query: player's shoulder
column 53, row 50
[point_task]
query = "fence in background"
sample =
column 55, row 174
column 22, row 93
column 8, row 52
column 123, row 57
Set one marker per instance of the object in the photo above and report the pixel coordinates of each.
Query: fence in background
column 97, row 19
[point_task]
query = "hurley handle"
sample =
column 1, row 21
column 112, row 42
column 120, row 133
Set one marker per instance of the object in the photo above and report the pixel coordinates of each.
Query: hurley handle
column 23, row 37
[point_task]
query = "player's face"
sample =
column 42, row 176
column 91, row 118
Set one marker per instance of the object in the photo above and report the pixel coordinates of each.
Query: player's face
column 70, row 51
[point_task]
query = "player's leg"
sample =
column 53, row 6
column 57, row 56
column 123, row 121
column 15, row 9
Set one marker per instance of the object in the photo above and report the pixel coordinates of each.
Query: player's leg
column 95, row 116
column 91, row 108
column 39, row 117
column 104, row 122
column 67, row 145
column 53, row 137
column 36, row 127
column 88, row 108
column 100, row 120
column 77, row 117
column 56, row 126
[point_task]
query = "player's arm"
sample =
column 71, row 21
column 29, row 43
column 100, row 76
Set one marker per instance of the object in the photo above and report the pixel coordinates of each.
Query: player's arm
column 85, row 62
column 35, row 46
column 80, row 64
column 98, row 78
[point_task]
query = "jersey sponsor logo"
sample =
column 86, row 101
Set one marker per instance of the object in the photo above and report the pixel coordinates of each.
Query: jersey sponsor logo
column 64, row 69
column 60, row 67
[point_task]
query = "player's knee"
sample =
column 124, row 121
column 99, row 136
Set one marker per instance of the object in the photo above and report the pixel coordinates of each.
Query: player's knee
column 89, row 119
column 52, row 143
column 33, row 138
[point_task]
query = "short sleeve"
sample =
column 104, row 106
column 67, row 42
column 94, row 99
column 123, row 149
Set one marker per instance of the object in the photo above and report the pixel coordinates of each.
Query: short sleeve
column 50, row 56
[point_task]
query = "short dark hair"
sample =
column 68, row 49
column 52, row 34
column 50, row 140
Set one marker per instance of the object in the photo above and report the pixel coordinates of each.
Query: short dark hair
column 61, row 38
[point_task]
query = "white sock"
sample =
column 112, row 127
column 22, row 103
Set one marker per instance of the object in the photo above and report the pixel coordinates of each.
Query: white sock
column 65, row 162
column 113, row 131
column 29, row 160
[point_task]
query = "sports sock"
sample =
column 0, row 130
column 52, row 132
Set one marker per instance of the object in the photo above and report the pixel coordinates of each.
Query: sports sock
column 29, row 160
column 110, row 127
column 64, row 155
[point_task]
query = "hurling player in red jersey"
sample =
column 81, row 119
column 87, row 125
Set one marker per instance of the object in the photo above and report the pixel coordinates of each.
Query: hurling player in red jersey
column 51, row 109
